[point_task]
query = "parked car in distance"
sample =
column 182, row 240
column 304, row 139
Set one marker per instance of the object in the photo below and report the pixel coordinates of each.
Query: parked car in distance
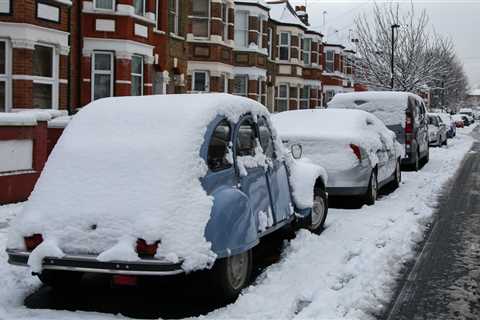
column 402, row 112
column 467, row 120
column 458, row 120
column 359, row 153
column 437, row 130
column 469, row 112
column 164, row 185
column 450, row 123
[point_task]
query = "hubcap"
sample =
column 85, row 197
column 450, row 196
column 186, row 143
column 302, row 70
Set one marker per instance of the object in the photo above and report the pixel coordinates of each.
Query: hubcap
column 237, row 270
column 318, row 211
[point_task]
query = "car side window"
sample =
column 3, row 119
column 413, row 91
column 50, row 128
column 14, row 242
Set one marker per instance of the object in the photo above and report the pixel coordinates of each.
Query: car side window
column 266, row 140
column 247, row 139
column 218, row 149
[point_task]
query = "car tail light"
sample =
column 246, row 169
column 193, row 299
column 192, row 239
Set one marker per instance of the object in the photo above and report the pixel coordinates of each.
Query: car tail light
column 408, row 129
column 122, row 280
column 356, row 150
column 33, row 241
column 146, row 250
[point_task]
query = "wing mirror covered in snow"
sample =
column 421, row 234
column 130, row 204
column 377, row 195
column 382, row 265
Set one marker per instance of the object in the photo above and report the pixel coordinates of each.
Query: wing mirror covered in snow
column 296, row 150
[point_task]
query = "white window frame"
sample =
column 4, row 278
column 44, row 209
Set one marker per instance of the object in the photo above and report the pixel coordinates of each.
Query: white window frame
column 140, row 75
column 207, row 80
column 104, row 9
column 143, row 8
column 245, row 31
column 332, row 62
column 260, row 31
column 225, row 82
column 306, row 99
column 288, row 46
column 270, row 43
column 245, row 77
column 53, row 80
column 7, row 76
column 279, row 98
column 208, row 18
column 261, row 93
column 224, row 16
column 307, row 52
column 176, row 28
column 109, row 72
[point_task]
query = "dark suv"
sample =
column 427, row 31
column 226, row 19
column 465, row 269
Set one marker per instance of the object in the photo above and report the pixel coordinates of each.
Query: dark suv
column 402, row 112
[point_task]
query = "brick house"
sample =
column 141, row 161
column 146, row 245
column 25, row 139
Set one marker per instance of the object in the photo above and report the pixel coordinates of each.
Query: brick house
column 62, row 54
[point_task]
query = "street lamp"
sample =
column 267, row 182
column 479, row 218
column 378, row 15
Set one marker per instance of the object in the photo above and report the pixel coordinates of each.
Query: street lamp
column 394, row 26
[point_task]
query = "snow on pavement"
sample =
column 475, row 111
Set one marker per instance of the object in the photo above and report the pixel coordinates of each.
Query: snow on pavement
column 347, row 272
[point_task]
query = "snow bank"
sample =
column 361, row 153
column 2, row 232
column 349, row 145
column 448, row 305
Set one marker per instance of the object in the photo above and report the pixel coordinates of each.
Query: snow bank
column 387, row 106
column 130, row 168
column 59, row 122
column 326, row 135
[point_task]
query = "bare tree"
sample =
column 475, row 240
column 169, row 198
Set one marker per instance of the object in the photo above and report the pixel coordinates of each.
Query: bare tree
column 423, row 59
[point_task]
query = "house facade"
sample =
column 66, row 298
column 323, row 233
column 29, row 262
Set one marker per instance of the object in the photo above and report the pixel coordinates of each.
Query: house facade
column 62, row 54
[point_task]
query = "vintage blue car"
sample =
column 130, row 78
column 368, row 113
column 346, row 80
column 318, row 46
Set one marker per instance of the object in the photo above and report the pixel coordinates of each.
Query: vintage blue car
column 163, row 185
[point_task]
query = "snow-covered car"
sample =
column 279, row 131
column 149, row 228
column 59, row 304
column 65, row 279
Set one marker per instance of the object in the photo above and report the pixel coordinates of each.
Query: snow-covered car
column 458, row 120
column 164, row 185
column 402, row 112
column 450, row 123
column 437, row 130
column 358, row 151
column 468, row 112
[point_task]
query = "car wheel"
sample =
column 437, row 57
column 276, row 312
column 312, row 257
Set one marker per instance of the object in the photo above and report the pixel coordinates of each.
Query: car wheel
column 398, row 176
column 59, row 279
column 319, row 211
column 231, row 274
column 445, row 143
column 372, row 192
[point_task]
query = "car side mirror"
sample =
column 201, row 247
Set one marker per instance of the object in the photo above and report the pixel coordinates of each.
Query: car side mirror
column 296, row 150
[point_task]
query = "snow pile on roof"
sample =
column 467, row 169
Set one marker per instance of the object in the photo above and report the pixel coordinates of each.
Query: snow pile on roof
column 130, row 167
column 262, row 3
column 17, row 119
column 283, row 12
column 42, row 114
column 475, row 92
column 387, row 106
column 59, row 122
column 326, row 135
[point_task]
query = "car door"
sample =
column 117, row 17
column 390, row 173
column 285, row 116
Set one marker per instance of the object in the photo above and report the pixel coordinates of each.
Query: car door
column 277, row 176
column 252, row 172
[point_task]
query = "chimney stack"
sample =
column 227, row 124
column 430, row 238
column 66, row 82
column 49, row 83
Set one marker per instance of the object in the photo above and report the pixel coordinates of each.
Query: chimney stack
column 302, row 14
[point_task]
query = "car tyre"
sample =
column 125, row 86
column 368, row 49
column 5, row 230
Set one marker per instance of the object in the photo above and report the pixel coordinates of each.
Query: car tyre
column 416, row 164
column 372, row 191
column 397, row 176
column 59, row 279
column 319, row 210
column 231, row 274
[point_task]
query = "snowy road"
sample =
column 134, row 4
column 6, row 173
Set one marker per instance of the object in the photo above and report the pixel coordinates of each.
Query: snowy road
column 348, row 272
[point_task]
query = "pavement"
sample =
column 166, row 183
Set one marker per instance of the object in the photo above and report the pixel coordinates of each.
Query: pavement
column 444, row 282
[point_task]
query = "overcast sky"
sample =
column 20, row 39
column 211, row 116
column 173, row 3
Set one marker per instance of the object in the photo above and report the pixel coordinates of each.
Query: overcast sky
column 459, row 20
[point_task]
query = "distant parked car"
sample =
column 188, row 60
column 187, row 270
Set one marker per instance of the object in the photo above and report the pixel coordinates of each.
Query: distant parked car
column 467, row 120
column 450, row 123
column 164, row 185
column 359, row 153
column 437, row 130
column 402, row 112
column 469, row 112
column 458, row 120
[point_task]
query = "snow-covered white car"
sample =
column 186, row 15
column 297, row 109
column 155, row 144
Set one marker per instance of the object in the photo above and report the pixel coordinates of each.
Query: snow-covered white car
column 358, row 151
column 450, row 123
column 163, row 185
column 437, row 130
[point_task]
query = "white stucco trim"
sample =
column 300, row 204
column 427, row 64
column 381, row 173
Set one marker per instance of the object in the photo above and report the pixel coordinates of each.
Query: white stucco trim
column 253, row 73
column 252, row 10
column 24, row 35
column 296, row 81
column 123, row 48
column 214, row 68
column 121, row 10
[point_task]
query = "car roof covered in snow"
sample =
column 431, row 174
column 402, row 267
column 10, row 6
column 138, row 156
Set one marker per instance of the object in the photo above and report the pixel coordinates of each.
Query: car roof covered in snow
column 132, row 166
column 388, row 106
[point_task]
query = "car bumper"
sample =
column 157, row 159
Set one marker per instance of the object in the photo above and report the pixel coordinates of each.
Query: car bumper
column 347, row 191
column 89, row 263
column 349, row 182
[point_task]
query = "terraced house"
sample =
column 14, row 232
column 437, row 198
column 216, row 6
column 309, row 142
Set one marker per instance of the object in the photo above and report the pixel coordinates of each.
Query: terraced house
column 62, row 54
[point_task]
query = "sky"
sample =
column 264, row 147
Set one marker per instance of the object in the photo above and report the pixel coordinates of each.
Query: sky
column 459, row 20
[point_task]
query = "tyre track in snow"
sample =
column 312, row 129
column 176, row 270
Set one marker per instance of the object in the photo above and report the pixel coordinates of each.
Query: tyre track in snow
column 444, row 282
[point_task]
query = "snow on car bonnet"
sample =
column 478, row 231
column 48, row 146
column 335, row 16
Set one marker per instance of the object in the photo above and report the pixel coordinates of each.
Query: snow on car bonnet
column 129, row 168
column 387, row 106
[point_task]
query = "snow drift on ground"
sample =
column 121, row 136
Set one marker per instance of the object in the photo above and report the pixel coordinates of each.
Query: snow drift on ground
column 326, row 135
column 385, row 104
column 345, row 273
column 130, row 167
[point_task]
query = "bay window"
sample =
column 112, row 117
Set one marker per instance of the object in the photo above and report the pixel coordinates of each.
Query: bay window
column 306, row 51
column 330, row 61
column 200, row 81
column 102, row 75
column 173, row 16
column 241, row 29
column 270, row 43
column 137, row 76
column 305, row 97
column 201, row 18
column 5, row 7
column 104, row 4
column 224, row 13
column 282, row 98
column 284, row 48
column 240, row 85
column 262, row 91
column 45, row 77
column 139, row 7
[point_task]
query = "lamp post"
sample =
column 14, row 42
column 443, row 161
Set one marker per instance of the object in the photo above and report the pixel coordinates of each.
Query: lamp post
column 394, row 26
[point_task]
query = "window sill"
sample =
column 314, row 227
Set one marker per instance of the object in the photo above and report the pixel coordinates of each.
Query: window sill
column 176, row 36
